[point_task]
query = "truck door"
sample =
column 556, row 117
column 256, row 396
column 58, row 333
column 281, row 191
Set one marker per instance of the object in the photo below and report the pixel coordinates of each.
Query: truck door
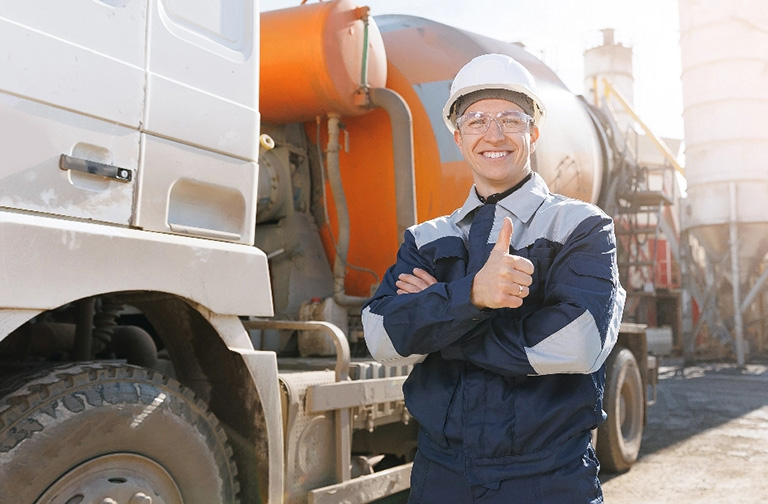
column 87, row 107
column 200, row 144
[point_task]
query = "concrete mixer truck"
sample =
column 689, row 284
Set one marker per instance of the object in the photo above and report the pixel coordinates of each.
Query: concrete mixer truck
column 195, row 199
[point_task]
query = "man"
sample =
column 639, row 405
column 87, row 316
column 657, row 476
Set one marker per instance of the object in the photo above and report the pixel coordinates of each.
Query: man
column 508, row 308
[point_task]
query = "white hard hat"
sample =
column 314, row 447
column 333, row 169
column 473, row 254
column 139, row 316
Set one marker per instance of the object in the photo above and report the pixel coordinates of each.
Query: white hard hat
column 492, row 71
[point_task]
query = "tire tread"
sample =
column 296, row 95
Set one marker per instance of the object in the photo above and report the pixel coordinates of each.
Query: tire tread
column 39, row 390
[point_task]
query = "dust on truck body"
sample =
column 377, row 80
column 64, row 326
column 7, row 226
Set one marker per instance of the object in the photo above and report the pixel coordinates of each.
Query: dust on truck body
column 195, row 200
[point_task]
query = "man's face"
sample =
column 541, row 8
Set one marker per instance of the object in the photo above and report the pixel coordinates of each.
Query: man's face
column 498, row 160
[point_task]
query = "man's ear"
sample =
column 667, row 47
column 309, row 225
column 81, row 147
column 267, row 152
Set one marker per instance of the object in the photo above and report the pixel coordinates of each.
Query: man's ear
column 534, row 137
column 457, row 139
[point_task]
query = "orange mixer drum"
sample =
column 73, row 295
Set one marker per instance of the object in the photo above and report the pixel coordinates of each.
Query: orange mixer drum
column 312, row 61
column 423, row 57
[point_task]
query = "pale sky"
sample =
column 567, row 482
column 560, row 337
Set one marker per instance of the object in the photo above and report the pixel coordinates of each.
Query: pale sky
column 559, row 31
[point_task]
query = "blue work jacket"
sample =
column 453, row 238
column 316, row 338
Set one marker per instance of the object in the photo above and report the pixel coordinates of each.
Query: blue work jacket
column 508, row 392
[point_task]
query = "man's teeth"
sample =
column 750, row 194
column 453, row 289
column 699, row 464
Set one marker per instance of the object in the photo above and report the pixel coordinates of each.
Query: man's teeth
column 495, row 154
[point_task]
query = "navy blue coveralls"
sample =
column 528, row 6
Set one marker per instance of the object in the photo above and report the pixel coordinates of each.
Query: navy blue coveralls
column 505, row 398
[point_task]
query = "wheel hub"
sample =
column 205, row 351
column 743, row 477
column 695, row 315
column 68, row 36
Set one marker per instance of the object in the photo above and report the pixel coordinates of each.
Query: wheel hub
column 623, row 409
column 627, row 405
column 120, row 478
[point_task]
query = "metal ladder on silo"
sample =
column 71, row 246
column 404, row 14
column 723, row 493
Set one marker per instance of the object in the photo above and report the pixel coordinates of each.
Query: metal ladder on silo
column 640, row 211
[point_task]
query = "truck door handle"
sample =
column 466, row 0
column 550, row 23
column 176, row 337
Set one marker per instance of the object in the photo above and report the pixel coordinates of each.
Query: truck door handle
column 95, row 168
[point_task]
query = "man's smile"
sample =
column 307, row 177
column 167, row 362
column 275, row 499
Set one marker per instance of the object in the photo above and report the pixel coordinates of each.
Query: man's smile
column 495, row 154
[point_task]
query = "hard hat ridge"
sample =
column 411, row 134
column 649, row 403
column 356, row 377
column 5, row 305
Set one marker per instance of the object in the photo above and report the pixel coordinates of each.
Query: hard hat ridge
column 497, row 72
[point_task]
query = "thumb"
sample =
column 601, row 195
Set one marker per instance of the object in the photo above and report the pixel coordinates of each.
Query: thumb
column 504, row 240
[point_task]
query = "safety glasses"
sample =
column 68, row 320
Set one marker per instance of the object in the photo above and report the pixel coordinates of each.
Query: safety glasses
column 509, row 121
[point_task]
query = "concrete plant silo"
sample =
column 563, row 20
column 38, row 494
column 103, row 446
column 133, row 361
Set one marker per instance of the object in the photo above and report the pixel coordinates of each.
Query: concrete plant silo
column 724, row 50
column 611, row 61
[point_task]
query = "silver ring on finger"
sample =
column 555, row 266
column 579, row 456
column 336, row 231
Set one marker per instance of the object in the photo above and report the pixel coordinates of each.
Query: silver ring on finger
column 519, row 289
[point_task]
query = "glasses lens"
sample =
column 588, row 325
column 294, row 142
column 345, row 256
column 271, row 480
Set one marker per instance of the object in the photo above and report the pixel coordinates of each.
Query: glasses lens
column 513, row 122
column 474, row 124
column 477, row 123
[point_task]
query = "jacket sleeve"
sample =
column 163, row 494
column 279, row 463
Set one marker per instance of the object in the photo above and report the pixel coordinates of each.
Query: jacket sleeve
column 577, row 324
column 402, row 329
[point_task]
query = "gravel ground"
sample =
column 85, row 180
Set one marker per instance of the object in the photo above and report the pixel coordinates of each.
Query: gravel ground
column 706, row 439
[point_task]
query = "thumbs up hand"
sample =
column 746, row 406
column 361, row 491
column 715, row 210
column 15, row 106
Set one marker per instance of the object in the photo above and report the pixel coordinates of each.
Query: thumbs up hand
column 504, row 279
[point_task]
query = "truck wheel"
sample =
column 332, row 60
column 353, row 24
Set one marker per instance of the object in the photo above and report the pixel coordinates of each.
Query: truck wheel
column 100, row 432
column 618, row 438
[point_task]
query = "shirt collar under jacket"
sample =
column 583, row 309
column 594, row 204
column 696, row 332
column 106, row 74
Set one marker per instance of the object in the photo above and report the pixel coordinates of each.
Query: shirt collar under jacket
column 523, row 203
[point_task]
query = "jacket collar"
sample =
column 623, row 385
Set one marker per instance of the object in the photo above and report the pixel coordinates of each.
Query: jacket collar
column 522, row 203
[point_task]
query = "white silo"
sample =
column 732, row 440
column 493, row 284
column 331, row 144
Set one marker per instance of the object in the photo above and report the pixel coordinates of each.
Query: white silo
column 611, row 61
column 724, row 50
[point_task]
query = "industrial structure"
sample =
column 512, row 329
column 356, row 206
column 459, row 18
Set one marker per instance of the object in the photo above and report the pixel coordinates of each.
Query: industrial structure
column 723, row 49
column 197, row 198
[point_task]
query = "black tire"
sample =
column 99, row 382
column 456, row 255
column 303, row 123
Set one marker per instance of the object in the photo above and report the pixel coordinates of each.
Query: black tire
column 87, row 432
column 619, row 437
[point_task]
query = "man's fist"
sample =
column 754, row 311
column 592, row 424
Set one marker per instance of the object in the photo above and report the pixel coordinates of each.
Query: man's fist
column 504, row 279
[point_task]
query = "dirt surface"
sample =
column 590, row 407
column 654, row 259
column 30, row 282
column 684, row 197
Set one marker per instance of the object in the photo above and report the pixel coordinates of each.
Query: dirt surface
column 706, row 439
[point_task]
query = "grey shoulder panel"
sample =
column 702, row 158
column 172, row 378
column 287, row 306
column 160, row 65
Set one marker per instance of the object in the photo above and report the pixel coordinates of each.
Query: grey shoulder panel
column 556, row 219
column 437, row 228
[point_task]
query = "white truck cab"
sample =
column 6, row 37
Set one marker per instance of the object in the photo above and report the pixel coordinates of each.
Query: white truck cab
column 128, row 178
